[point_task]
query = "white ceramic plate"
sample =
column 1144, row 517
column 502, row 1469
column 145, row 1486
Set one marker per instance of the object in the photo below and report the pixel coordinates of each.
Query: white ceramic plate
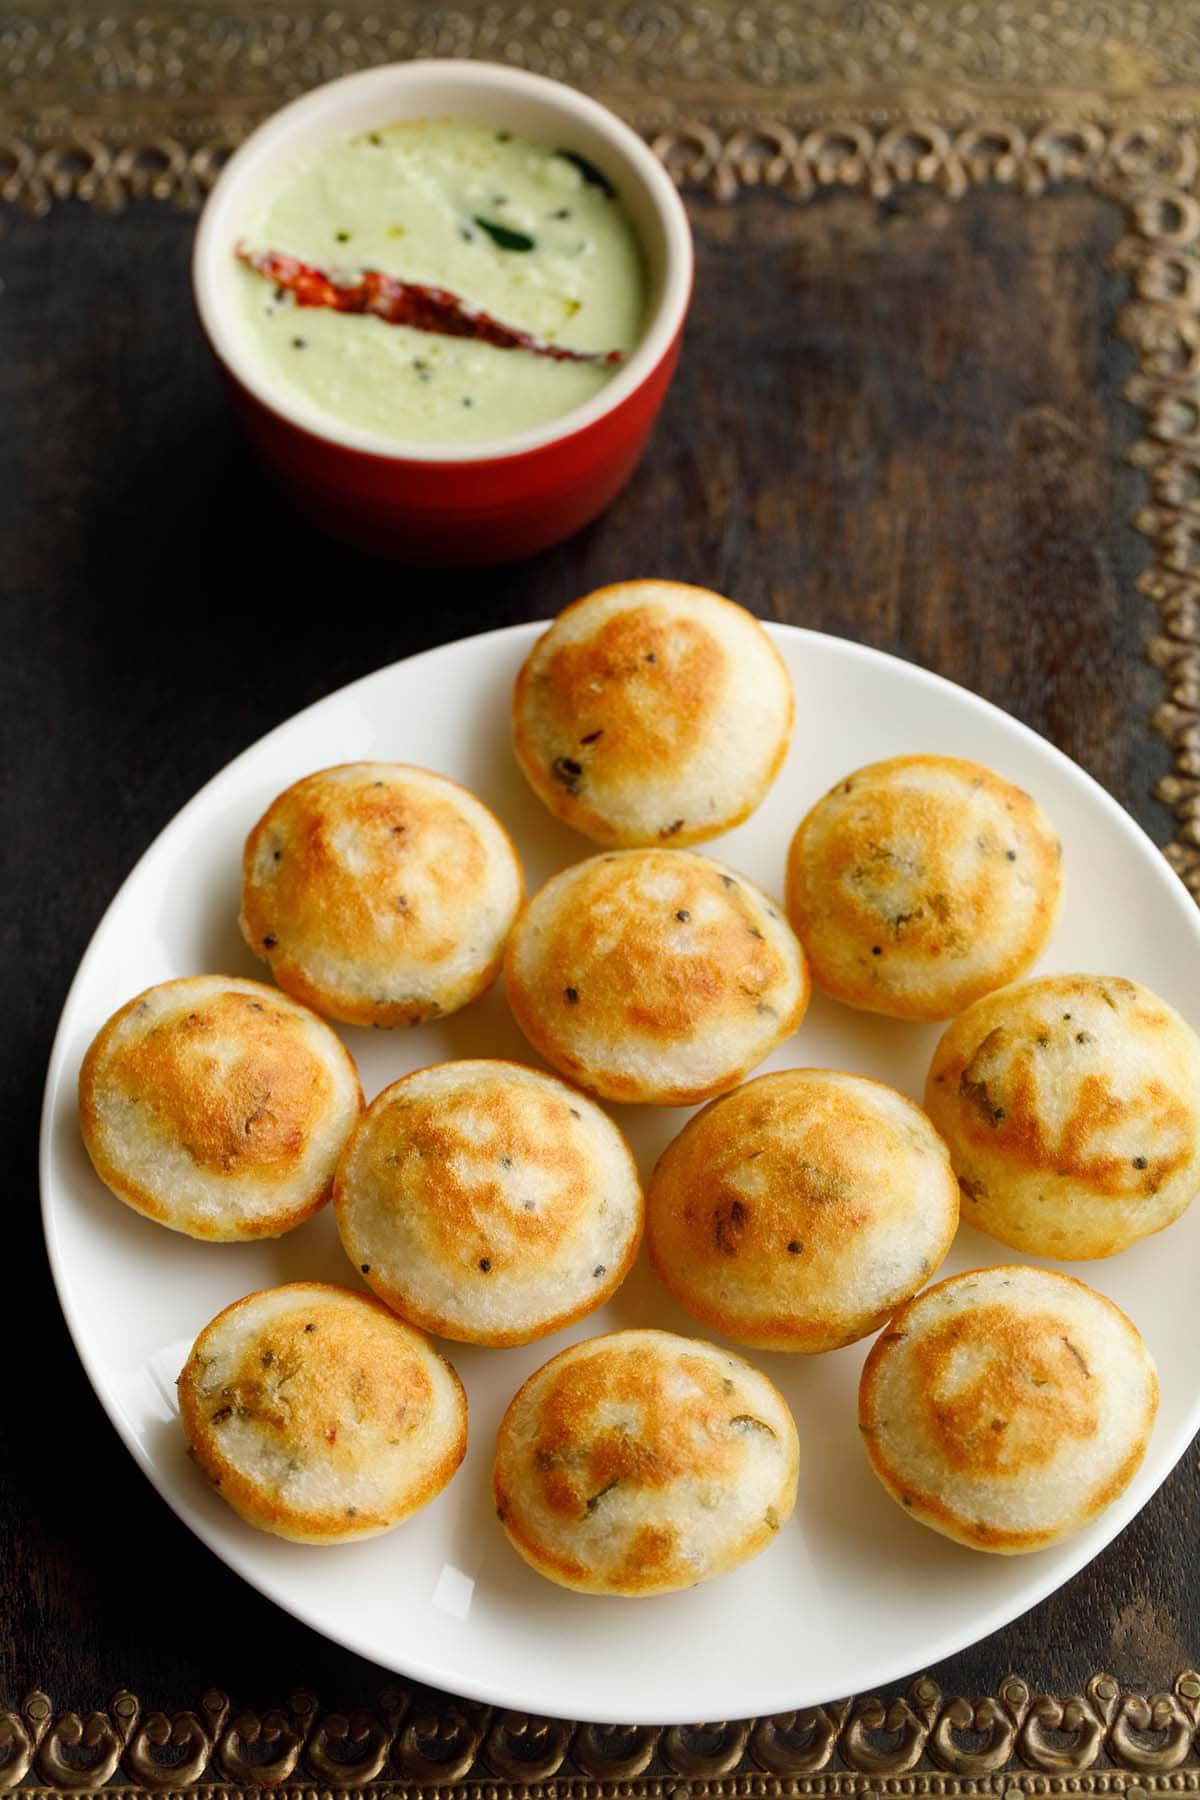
column 852, row 1593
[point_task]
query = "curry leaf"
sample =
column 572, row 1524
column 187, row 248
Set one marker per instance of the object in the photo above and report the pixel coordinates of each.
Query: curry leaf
column 504, row 237
column 591, row 174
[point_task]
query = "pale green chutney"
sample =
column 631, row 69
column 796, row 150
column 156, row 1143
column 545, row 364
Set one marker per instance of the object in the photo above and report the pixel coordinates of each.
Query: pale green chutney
column 518, row 228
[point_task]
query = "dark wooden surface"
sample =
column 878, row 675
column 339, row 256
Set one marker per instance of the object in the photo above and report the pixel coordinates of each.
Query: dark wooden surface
column 899, row 422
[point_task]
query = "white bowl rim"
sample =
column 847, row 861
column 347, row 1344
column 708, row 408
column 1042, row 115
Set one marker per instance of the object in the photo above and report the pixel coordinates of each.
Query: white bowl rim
column 212, row 242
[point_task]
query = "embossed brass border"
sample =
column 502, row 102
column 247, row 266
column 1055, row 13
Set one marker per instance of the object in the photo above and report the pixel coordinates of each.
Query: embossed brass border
column 1013, row 1744
column 133, row 60
column 1146, row 164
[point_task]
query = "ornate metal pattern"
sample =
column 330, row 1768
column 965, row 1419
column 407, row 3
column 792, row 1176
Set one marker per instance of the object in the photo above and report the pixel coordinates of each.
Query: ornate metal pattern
column 1014, row 1743
column 720, row 53
column 1147, row 164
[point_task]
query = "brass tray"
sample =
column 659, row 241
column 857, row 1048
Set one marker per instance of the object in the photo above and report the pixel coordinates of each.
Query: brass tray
column 411, row 1746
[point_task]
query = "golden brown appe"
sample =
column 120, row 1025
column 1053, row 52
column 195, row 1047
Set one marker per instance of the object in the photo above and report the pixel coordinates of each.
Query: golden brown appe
column 652, row 711
column 1007, row 1407
column 654, row 975
column 379, row 893
column 1071, row 1106
column 488, row 1202
column 643, row 1462
column 218, row 1107
column 918, row 884
column 318, row 1415
column 799, row 1211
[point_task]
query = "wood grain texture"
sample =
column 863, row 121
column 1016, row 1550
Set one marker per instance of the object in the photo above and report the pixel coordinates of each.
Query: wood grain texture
column 899, row 421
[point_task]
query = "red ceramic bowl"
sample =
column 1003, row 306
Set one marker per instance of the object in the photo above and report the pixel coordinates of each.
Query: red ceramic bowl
column 484, row 502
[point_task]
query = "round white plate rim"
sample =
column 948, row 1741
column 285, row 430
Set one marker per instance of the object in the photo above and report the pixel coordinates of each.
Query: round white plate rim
column 409, row 1662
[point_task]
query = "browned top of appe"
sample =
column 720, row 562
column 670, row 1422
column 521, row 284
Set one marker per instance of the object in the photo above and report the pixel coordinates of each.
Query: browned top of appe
column 318, row 1415
column 218, row 1106
column 379, row 893
column 920, row 883
column 643, row 1462
column 1007, row 1407
column 488, row 1202
column 799, row 1211
column 652, row 712
column 654, row 975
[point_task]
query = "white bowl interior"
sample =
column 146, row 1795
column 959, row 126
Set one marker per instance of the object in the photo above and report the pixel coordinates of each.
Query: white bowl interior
column 499, row 96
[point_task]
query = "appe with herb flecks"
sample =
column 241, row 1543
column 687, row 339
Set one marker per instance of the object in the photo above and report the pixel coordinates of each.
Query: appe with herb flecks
column 1071, row 1108
column 643, row 1462
column 318, row 1415
column 218, row 1107
column 380, row 894
column 488, row 1202
column 798, row 1212
column 652, row 712
column 656, row 976
column 918, row 884
column 1008, row 1407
